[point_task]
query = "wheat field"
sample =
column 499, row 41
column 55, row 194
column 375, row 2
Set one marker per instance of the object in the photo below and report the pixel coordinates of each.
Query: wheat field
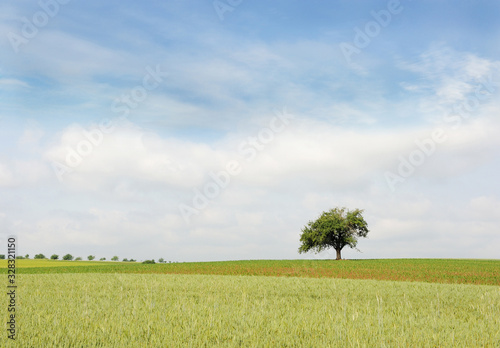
column 171, row 310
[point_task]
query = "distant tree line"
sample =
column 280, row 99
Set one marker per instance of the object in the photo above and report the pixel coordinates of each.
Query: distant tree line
column 69, row 257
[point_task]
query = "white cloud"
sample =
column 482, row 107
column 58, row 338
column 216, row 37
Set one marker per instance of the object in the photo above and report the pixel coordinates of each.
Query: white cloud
column 448, row 78
column 12, row 83
column 19, row 173
column 129, row 152
column 484, row 208
column 306, row 154
column 6, row 177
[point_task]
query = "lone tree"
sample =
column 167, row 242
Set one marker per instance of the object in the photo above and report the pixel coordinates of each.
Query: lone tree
column 335, row 229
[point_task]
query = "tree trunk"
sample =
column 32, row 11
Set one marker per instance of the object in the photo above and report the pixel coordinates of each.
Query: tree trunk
column 338, row 254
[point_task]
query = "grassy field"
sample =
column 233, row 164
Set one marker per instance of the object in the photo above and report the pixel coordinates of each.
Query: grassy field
column 155, row 310
column 45, row 263
column 288, row 303
column 485, row 272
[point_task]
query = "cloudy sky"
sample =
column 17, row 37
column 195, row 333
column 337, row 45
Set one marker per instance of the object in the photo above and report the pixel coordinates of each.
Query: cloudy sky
column 215, row 130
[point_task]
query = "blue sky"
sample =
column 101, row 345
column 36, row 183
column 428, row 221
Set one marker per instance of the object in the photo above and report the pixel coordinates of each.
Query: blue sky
column 121, row 123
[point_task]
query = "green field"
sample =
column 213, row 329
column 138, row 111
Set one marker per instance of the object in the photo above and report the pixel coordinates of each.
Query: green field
column 485, row 272
column 297, row 303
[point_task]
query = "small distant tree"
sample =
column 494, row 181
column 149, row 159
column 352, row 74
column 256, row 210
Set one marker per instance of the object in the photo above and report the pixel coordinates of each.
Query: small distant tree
column 2, row 256
column 161, row 260
column 54, row 257
column 125, row 260
column 68, row 257
column 91, row 257
column 19, row 257
column 102, row 259
column 78, row 258
column 132, row 260
column 27, row 256
column 149, row 261
column 335, row 229
column 39, row 256
column 114, row 258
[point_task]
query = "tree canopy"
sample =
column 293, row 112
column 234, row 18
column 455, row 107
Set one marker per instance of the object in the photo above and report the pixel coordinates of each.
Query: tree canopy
column 335, row 229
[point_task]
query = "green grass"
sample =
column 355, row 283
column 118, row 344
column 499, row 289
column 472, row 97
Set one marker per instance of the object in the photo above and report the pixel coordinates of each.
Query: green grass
column 260, row 303
column 160, row 310
column 485, row 272
column 41, row 263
